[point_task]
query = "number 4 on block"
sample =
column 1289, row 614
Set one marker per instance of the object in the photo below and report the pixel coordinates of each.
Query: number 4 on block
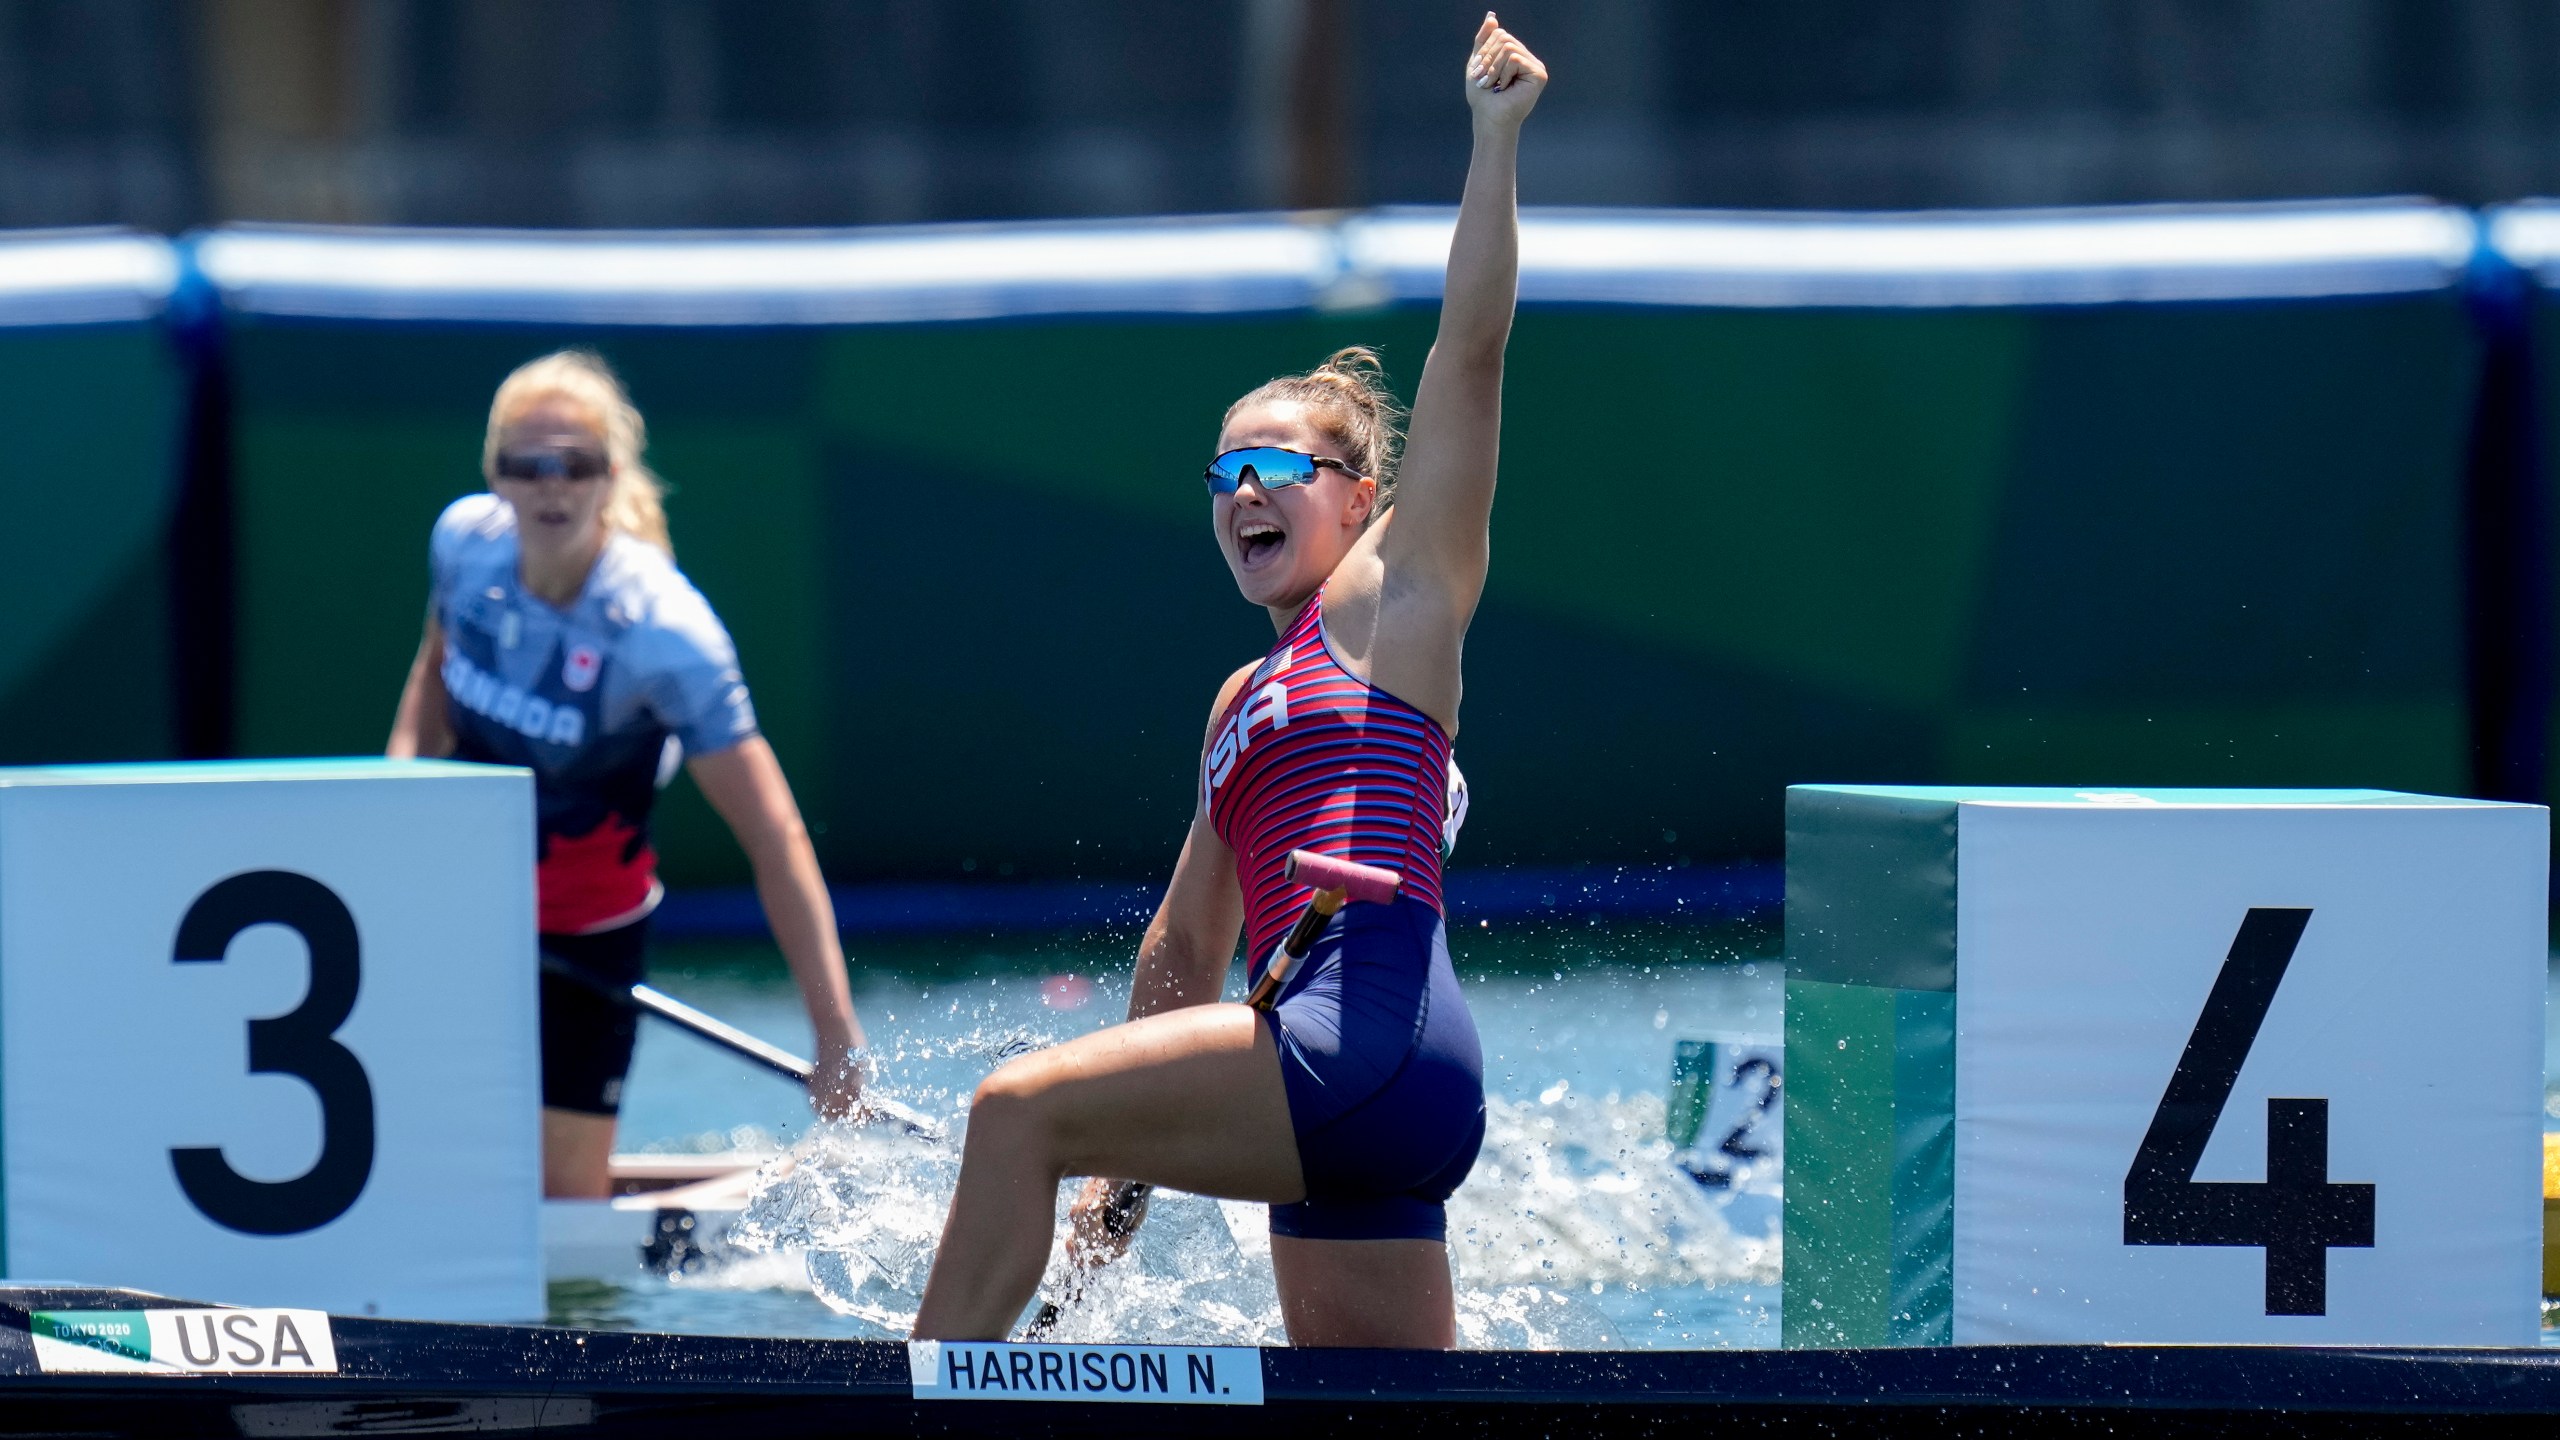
column 2297, row 1214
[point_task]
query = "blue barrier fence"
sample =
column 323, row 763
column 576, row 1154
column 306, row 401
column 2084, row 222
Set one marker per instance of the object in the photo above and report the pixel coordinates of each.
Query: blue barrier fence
column 181, row 310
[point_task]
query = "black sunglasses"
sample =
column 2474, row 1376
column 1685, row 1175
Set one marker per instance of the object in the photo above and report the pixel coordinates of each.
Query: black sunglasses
column 569, row 462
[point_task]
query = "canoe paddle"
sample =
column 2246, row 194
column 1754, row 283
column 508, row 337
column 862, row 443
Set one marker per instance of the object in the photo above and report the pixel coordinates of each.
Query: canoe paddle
column 650, row 1000
column 1336, row 882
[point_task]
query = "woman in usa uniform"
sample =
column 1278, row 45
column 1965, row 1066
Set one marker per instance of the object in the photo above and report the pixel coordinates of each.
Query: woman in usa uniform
column 561, row 637
column 1354, row 1105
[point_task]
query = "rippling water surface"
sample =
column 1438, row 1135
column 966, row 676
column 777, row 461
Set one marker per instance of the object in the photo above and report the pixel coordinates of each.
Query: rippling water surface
column 1577, row 1228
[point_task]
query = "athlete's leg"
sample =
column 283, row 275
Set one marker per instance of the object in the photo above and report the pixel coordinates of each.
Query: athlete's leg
column 1386, row 1294
column 577, row 1150
column 586, row 1052
column 1187, row 1098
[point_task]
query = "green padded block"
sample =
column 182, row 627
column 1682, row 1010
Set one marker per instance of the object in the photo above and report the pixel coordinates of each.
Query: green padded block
column 1869, row 1222
column 1871, row 888
column 1838, row 1240
column 1920, row 1309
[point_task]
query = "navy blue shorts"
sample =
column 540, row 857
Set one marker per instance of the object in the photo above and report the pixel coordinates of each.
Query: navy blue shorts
column 1385, row 1078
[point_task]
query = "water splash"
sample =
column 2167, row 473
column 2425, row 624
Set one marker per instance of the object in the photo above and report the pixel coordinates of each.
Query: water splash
column 863, row 1206
column 1574, row 1221
column 1578, row 1192
column 1199, row 1273
column 1577, row 1218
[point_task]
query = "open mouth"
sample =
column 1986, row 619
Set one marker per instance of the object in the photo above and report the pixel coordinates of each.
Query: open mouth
column 1258, row 540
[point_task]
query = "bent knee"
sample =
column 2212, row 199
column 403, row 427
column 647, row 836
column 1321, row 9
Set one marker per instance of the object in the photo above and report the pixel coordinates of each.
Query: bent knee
column 1016, row 1101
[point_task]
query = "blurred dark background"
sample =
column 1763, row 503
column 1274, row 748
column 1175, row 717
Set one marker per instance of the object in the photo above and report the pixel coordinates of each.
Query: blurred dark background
column 170, row 113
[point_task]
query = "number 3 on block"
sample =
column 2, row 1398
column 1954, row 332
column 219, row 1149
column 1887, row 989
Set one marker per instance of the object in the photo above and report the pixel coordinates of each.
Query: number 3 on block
column 2297, row 1213
column 302, row 1042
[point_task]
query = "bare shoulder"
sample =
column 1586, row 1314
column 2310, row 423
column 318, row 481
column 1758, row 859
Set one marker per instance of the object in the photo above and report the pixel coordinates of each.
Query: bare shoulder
column 1391, row 624
column 1227, row 691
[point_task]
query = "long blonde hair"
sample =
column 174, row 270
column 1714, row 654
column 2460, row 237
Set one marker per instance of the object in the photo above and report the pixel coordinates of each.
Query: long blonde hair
column 637, row 506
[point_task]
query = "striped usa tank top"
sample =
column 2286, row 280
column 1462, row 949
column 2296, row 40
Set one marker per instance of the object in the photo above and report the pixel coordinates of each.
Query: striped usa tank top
column 1308, row 756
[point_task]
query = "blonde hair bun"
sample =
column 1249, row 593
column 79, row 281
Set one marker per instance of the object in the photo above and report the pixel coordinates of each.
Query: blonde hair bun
column 1351, row 401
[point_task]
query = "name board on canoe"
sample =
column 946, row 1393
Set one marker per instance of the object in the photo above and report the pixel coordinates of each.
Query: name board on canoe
column 1130, row 1374
column 183, row 1342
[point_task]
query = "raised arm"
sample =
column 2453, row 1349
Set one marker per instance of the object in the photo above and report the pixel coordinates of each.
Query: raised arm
column 1444, row 497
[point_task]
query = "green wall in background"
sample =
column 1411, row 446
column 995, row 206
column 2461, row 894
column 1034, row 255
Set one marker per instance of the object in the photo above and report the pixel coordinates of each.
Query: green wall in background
column 89, row 428
column 969, row 569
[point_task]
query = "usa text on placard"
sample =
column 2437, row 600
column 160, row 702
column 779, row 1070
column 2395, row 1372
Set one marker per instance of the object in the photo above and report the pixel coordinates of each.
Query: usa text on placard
column 183, row 1342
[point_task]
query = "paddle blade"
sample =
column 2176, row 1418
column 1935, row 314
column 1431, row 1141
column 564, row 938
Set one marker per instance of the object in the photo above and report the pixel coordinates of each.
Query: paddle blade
column 1361, row 882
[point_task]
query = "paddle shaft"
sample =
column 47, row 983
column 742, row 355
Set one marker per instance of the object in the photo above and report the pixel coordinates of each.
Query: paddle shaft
column 1336, row 881
column 654, row 1001
column 1122, row 1209
column 1301, row 939
column 650, row 1000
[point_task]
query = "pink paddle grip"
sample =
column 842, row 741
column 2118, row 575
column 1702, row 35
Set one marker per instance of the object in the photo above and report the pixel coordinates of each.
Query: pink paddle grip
column 1361, row 882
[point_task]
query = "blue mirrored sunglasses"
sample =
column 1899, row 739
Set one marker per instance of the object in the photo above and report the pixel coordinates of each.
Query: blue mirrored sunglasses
column 1268, row 466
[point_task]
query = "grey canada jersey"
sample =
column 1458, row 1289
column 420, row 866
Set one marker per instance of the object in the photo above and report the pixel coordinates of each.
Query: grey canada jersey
column 588, row 698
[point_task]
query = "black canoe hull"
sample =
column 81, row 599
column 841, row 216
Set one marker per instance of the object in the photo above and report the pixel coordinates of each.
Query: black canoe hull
column 415, row 1377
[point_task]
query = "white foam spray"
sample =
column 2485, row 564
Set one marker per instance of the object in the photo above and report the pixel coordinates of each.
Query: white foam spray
column 1576, row 1229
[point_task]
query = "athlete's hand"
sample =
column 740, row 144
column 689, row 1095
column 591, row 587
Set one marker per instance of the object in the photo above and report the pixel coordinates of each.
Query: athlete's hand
column 1100, row 1224
column 1504, row 80
column 835, row 1090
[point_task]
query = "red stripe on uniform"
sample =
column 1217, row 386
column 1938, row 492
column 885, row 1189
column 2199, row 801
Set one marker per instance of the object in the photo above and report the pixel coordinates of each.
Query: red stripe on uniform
column 1355, row 773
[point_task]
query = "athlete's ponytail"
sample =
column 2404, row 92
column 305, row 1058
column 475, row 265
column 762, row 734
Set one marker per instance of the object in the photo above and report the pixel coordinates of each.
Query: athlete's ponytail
column 636, row 507
column 1351, row 401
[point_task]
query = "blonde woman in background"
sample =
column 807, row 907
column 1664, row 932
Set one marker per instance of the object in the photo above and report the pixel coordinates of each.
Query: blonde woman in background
column 561, row 637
